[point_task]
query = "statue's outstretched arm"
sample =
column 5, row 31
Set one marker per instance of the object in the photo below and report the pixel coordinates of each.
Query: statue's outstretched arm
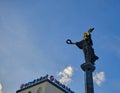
column 68, row 41
column 90, row 31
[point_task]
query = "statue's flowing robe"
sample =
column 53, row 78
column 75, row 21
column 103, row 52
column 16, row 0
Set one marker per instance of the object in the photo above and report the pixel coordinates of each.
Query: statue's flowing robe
column 86, row 46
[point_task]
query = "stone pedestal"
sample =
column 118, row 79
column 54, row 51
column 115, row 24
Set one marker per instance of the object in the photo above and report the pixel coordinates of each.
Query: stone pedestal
column 88, row 68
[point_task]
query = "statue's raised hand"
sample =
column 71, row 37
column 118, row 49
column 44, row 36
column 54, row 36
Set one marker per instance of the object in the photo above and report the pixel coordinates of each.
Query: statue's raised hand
column 90, row 30
column 68, row 41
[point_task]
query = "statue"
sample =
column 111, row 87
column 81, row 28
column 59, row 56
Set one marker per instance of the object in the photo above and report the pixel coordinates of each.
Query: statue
column 86, row 45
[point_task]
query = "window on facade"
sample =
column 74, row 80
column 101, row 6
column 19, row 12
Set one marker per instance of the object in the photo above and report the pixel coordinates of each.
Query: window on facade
column 39, row 90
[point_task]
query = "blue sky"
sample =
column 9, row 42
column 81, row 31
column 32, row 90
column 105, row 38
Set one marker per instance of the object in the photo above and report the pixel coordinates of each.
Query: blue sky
column 33, row 36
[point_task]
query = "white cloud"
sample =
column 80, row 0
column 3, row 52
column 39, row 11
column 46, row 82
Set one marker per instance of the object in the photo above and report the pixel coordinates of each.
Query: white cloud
column 1, row 88
column 66, row 75
column 99, row 78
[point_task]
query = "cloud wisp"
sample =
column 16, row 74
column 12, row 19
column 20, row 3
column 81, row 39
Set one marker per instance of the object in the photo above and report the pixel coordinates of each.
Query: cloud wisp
column 1, row 88
column 99, row 78
column 65, row 75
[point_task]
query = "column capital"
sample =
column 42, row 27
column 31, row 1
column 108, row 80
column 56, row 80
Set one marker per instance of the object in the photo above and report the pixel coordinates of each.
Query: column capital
column 88, row 66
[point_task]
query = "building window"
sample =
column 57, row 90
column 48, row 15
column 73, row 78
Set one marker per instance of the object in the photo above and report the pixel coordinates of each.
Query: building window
column 39, row 90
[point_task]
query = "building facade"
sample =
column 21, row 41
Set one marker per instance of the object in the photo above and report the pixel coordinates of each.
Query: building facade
column 44, row 85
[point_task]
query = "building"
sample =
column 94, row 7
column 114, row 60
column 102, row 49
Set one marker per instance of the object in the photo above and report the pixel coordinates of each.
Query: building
column 44, row 85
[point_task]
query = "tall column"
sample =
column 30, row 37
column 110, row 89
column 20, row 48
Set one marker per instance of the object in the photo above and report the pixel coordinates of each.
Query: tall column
column 88, row 68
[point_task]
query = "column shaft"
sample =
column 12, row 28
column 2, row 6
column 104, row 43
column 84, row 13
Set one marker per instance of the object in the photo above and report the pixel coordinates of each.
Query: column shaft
column 89, row 88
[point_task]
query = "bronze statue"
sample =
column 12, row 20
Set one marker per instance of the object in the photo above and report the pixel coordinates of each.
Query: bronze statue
column 86, row 45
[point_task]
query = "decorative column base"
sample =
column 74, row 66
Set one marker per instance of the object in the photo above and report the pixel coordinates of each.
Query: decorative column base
column 88, row 68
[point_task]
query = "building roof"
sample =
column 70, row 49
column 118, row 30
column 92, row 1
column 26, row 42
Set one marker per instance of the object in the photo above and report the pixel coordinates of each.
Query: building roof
column 42, row 80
